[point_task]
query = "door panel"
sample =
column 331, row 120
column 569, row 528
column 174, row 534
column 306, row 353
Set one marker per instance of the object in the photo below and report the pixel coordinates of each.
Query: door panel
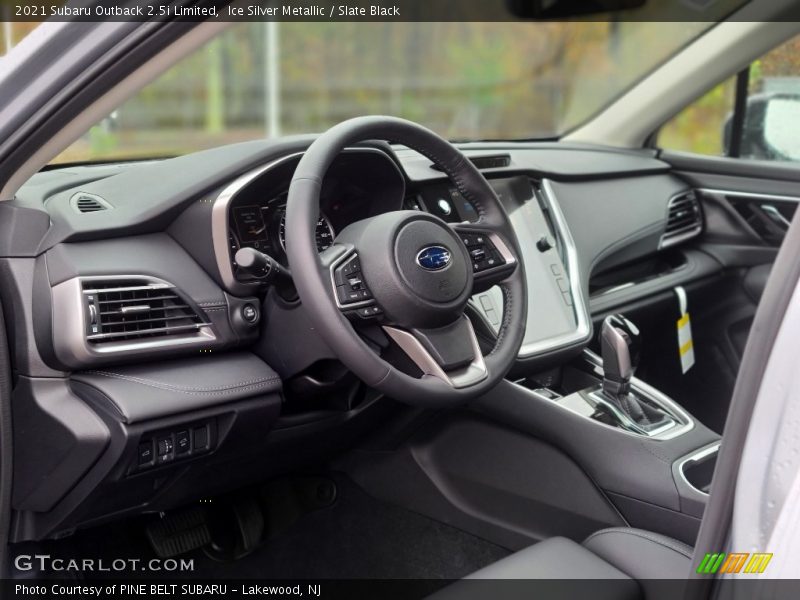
column 747, row 206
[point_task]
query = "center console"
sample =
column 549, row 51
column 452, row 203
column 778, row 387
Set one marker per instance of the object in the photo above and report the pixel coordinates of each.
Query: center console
column 655, row 470
column 650, row 457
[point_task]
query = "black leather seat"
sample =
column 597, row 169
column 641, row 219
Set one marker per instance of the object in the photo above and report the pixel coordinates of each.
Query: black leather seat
column 634, row 564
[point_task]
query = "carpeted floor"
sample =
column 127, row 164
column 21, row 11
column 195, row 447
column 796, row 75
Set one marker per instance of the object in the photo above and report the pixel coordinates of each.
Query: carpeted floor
column 361, row 537
column 357, row 537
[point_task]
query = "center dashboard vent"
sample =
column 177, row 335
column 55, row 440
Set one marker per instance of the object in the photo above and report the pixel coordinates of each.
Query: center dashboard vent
column 684, row 219
column 135, row 309
column 485, row 162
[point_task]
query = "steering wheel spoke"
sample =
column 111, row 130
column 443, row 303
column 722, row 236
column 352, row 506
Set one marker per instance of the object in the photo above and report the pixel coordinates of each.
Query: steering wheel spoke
column 492, row 261
column 353, row 296
column 450, row 353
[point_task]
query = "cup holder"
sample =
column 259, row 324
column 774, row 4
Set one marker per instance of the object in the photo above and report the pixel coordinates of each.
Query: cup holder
column 698, row 469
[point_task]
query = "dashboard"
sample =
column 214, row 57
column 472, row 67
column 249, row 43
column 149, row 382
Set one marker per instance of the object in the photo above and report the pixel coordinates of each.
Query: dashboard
column 256, row 215
column 200, row 209
column 136, row 310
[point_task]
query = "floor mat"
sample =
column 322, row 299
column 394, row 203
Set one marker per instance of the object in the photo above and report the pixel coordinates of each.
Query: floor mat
column 357, row 537
column 361, row 537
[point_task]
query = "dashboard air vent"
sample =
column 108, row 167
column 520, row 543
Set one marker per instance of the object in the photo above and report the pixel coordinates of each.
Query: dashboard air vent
column 135, row 309
column 88, row 203
column 486, row 162
column 684, row 219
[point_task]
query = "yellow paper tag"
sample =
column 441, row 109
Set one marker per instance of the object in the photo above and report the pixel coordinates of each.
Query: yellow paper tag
column 685, row 343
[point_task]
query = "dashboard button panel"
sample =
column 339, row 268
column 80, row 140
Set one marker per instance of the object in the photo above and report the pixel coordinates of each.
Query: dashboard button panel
column 161, row 447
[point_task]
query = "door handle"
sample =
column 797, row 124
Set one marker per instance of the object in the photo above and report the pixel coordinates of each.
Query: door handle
column 776, row 216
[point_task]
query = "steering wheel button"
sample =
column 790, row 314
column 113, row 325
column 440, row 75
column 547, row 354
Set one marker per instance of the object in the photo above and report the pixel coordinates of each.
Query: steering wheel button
column 348, row 296
column 368, row 312
column 478, row 254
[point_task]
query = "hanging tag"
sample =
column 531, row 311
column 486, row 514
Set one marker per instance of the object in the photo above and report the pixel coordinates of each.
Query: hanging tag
column 685, row 343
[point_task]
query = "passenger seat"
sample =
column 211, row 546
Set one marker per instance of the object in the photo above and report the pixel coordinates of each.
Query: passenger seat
column 638, row 561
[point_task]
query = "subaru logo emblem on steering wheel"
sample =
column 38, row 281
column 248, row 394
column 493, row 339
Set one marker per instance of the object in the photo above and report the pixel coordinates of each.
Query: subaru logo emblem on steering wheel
column 433, row 258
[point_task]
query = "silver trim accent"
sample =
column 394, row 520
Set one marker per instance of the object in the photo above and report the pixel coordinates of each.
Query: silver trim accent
column 220, row 212
column 69, row 317
column 499, row 244
column 501, row 247
column 332, row 269
column 627, row 422
column 583, row 327
column 696, row 457
column 134, row 309
column 220, row 225
column 684, row 421
column 667, row 241
column 472, row 374
column 776, row 215
column 754, row 195
column 129, row 288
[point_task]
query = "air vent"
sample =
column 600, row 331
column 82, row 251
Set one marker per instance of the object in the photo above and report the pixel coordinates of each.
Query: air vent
column 135, row 309
column 485, row 162
column 684, row 219
column 88, row 203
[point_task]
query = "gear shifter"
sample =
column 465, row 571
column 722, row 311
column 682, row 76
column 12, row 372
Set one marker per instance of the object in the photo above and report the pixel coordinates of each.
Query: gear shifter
column 619, row 340
column 620, row 343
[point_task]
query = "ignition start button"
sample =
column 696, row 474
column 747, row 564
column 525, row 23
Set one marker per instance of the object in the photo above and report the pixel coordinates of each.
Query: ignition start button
column 250, row 313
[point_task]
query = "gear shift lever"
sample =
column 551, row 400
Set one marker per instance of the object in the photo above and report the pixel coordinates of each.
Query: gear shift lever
column 620, row 343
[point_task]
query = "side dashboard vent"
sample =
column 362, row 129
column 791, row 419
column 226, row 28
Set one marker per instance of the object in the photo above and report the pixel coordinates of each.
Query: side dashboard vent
column 88, row 203
column 684, row 219
column 135, row 309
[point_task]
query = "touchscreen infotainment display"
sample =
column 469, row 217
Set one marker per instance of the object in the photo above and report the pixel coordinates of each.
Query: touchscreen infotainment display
column 551, row 310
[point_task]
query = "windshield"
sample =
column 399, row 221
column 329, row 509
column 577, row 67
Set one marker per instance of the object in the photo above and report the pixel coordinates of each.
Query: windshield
column 467, row 81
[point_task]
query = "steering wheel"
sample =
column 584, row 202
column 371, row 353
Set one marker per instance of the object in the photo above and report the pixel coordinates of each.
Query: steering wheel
column 409, row 272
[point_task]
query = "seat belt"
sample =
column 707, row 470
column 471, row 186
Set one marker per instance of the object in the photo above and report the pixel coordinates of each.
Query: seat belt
column 6, row 446
column 715, row 527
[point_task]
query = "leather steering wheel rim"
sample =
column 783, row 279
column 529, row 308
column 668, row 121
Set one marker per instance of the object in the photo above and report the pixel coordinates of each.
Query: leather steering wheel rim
column 312, row 271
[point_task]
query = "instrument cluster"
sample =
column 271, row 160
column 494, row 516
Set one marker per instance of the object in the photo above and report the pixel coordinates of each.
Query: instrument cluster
column 262, row 225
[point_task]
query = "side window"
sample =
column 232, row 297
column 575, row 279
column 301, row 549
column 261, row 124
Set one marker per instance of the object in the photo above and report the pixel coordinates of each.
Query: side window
column 754, row 115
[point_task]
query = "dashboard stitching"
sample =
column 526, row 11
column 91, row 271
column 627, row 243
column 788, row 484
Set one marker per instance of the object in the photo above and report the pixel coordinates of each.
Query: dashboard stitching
column 253, row 383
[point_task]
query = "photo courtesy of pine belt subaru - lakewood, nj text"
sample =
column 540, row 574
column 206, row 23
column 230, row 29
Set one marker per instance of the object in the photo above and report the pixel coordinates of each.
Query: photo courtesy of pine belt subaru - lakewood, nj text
column 408, row 300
